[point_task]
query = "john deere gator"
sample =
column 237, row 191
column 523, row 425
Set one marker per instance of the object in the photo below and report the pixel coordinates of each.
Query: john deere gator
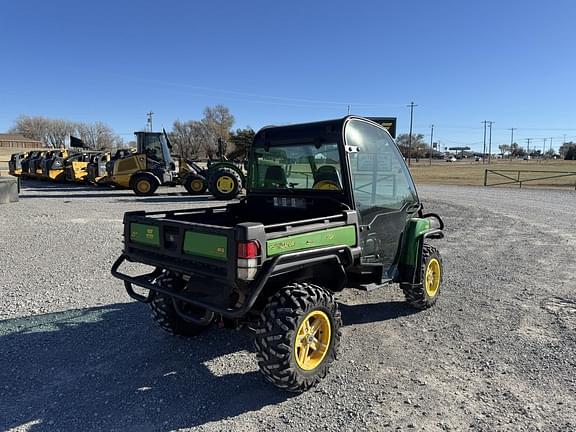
column 327, row 204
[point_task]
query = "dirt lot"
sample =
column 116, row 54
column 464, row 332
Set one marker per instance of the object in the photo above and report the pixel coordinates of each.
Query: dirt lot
column 498, row 351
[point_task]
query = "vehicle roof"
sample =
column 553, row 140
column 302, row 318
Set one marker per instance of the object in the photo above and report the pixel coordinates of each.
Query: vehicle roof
column 309, row 131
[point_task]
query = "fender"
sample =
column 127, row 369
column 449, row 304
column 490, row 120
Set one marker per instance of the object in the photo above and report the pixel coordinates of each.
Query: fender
column 150, row 173
column 417, row 229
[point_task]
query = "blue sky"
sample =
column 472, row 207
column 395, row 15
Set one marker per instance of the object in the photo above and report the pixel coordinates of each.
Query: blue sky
column 512, row 62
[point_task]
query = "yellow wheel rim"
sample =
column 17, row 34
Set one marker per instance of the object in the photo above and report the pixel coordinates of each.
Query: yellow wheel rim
column 312, row 340
column 432, row 279
column 225, row 184
column 197, row 185
column 143, row 186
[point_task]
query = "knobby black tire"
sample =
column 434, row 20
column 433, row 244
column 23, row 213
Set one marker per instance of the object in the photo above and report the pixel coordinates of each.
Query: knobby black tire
column 188, row 185
column 417, row 296
column 276, row 332
column 151, row 179
column 213, row 180
column 164, row 313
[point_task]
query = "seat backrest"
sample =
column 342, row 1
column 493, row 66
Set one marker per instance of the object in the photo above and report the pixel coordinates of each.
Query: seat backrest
column 327, row 172
column 275, row 177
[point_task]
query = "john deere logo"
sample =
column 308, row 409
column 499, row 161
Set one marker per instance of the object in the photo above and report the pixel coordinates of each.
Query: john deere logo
column 284, row 245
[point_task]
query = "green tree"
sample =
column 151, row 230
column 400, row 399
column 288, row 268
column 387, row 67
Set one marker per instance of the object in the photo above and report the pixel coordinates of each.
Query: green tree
column 567, row 150
column 420, row 147
column 240, row 141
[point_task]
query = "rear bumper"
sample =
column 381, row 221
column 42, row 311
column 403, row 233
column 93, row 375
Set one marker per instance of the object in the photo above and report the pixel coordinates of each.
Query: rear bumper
column 339, row 255
column 147, row 281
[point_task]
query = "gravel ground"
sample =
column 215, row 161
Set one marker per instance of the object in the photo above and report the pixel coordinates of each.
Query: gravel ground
column 497, row 352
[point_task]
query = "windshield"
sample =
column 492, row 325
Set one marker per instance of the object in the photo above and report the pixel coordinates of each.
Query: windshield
column 296, row 166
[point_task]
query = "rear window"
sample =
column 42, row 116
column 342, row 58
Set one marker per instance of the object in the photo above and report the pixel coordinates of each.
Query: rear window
column 297, row 166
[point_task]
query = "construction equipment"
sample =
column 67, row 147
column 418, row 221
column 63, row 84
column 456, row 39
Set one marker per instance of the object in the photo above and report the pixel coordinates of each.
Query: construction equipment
column 77, row 165
column 34, row 167
column 222, row 179
column 145, row 170
column 97, row 167
column 152, row 165
column 25, row 163
column 53, row 165
column 15, row 163
column 328, row 204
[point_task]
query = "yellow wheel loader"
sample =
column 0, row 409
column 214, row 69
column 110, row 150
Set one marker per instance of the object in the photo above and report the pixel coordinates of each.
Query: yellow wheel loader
column 147, row 168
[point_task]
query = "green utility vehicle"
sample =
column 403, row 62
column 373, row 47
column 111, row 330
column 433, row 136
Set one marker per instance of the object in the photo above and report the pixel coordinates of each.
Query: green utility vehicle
column 328, row 205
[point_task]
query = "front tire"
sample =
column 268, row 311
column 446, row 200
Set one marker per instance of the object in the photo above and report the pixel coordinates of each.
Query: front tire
column 425, row 295
column 164, row 313
column 297, row 337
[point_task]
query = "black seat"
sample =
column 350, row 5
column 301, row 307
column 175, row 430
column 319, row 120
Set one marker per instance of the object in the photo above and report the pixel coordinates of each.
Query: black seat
column 275, row 177
column 327, row 173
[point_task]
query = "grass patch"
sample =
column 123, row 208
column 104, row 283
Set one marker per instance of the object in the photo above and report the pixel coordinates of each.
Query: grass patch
column 472, row 173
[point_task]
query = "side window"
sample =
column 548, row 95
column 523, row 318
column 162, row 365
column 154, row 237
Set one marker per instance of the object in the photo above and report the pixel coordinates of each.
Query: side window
column 380, row 177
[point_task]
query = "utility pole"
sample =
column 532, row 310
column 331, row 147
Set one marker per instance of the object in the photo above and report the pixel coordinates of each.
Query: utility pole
column 411, row 106
column 550, row 143
column 511, row 139
column 348, row 109
column 149, row 121
column 544, row 147
column 528, row 148
column 431, row 138
column 484, row 151
column 490, row 142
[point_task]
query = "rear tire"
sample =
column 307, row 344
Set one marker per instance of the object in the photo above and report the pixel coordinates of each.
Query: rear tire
column 424, row 295
column 297, row 336
column 164, row 312
column 225, row 183
column 195, row 184
column 144, row 184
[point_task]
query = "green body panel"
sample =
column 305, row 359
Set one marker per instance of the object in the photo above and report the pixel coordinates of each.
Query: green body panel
column 145, row 234
column 206, row 245
column 345, row 236
column 415, row 229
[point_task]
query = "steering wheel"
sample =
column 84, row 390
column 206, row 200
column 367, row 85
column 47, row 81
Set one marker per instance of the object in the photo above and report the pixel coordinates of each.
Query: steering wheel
column 326, row 185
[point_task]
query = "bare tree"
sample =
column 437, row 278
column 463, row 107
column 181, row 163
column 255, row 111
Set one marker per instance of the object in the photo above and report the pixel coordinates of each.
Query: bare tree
column 35, row 128
column 98, row 135
column 183, row 137
column 218, row 122
column 58, row 131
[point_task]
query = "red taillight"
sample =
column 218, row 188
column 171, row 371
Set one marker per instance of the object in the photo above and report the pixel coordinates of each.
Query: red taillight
column 249, row 249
